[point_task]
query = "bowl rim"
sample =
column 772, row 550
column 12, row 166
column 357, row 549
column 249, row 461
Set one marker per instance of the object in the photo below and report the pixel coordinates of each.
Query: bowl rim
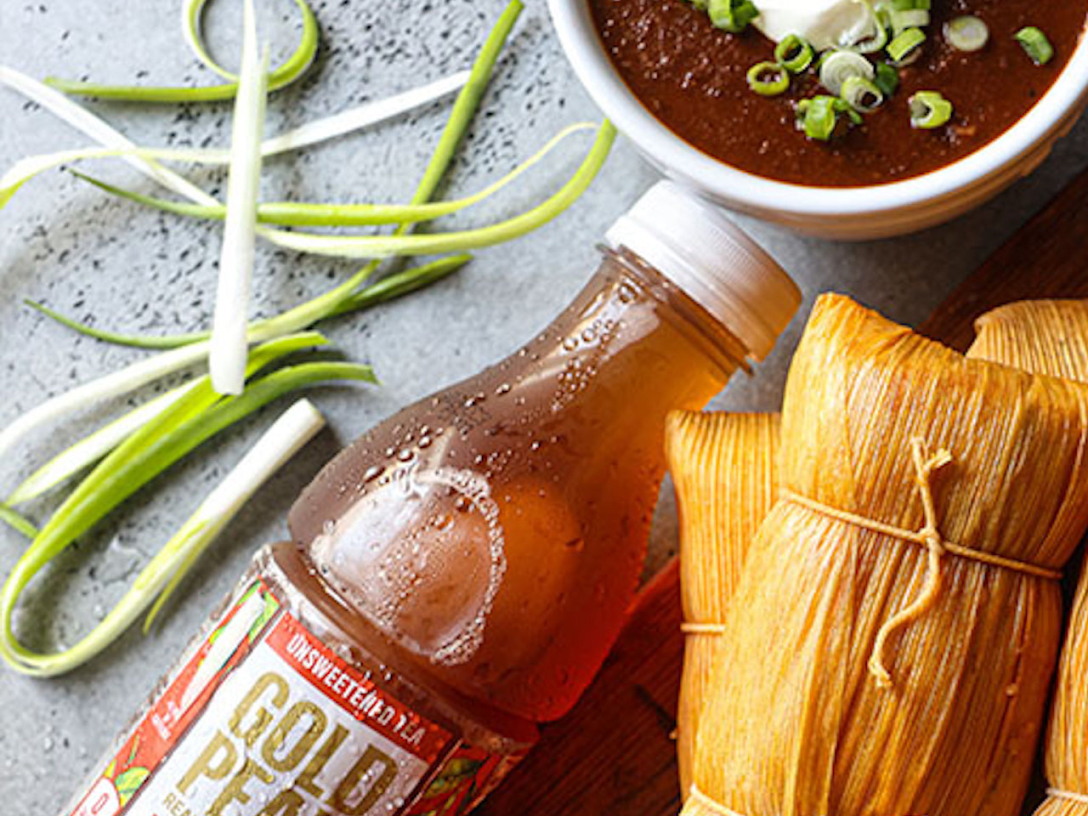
column 585, row 51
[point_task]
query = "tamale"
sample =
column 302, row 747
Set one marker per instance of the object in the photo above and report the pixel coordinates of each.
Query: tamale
column 722, row 467
column 1051, row 337
column 962, row 621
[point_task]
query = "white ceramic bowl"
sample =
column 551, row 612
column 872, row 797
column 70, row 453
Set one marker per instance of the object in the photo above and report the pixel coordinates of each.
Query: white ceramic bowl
column 857, row 213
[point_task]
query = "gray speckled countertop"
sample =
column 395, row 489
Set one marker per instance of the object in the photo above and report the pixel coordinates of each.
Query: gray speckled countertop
column 97, row 258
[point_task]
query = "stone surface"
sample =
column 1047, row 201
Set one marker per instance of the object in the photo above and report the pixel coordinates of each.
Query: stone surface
column 66, row 244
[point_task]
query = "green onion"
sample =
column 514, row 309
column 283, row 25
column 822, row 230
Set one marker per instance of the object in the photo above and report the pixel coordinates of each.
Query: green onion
column 161, row 575
column 732, row 15
column 966, row 33
column 909, row 18
column 346, row 297
column 192, row 420
column 907, row 5
column 290, row 213
column 112, row 385
column 819, row 116
column 92, row 448
column 95, row 127
column 229, row 346
column 18, row 522
column 794, row 54
column 862, row 94
column 886, row 78
column 841, row 65
column 295, row 66
column 928, row 110
column 1035, row 45
column 906, row 47
column 380, row 246
column 768, row 78
column 878, row 19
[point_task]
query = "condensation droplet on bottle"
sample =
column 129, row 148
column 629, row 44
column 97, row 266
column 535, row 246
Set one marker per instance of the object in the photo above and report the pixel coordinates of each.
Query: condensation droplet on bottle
column 424, row 442
column 589, row 335
column 389, row 452
column 503, row 389
column 570, row 344
column 372, row 473
column 329, row 527
column 406, row 455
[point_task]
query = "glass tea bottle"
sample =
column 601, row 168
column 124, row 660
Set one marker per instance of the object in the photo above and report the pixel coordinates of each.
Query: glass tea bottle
column 458, row 574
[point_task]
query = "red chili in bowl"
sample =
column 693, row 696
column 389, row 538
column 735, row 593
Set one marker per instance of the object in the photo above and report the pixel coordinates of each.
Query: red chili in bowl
column 692, row 77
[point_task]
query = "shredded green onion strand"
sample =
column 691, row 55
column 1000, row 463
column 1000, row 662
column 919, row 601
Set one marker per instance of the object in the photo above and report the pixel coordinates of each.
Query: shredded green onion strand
column 841, row 65
column 732, row 15
column 928, row 110
column 286, row 436
column 794, row 54
column 1035, row 45
column 886, row 78
column 92, row 448
column 906, row 46
column 18, row 522
column 229, row 345
column 346, row 297
column 362, row 116
column 98, row 129
column 290, row 213
column 276, row 446
column 768, row 78
column 379, row 246
column 966, row 33
column 862, row 94
column 144, row 455
column 291, row 70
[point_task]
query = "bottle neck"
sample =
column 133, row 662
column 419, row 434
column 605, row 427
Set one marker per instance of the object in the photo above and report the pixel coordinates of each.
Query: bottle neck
column 713, row 340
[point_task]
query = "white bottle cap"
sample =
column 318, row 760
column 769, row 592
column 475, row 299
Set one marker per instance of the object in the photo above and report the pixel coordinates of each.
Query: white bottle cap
column 693, row 244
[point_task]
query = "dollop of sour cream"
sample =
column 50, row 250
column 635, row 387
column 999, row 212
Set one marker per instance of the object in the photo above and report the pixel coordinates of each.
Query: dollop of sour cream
column 823, row 23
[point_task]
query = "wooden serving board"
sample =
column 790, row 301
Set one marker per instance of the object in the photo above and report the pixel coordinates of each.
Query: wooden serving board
column 613, row 754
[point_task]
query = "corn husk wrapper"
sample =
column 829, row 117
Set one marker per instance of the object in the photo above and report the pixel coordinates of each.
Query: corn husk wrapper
column 794, row 723
column 1051, row 337
column 723, row 470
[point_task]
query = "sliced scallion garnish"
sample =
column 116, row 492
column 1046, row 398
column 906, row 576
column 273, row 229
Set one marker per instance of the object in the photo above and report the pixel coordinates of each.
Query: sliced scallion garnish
column 768, row 78
column 886, row 78
column 1035, row 45
column 908, row 18
column 820, row 116
column 878, row 36
column 732, row 15
column 794, row 54
column 928, row 110
column 906, row 47
column 841, row 65
column 966, row 33
column 862, row 94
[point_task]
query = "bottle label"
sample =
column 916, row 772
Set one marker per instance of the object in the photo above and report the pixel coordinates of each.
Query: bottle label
column 266, row 720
